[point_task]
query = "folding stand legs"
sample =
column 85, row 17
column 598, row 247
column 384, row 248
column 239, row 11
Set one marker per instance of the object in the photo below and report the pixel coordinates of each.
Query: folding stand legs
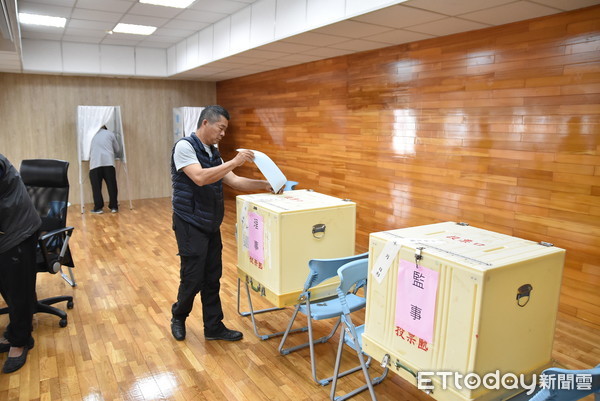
column 311, row 343
column 354, row 343
column 253, row 312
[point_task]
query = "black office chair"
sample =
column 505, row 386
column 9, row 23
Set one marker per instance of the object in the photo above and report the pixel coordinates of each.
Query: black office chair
column 48, row 187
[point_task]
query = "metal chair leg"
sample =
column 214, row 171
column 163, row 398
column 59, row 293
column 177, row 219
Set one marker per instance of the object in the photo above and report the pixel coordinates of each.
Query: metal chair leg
column 311, row 343
column 253, row 312
column 363, row 365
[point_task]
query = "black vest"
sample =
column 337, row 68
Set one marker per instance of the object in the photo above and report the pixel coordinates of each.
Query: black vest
column 18, row 218
column 201, row 206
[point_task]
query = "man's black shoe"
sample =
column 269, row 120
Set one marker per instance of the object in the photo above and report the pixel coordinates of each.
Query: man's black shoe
column 15, row 363
column 178, row 329
column 226, row 334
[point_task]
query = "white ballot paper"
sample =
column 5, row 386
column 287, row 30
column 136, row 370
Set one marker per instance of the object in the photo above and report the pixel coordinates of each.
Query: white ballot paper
column 269, row 169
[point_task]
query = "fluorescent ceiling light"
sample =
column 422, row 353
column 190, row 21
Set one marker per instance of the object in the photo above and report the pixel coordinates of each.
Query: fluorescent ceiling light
column 134, row 29
column 169, row 3
column 45, row 20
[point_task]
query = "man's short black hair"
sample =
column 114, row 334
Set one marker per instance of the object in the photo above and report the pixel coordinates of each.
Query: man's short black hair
column 212, row 114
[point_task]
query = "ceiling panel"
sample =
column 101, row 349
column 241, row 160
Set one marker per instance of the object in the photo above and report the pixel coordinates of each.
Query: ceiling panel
column 412, row 20
column 456, row 7
column 359, row 45
column 352, row 29
column 45, row 9
column 315, row 39
column 144, row 20
column 448, row 26
column 398, row 36
column 200, row 16
column 105, row 5
column 399, row 17
column 220, row 6
column 91, row 25
column 512, row 12
column 154, row 11
column 94, row 15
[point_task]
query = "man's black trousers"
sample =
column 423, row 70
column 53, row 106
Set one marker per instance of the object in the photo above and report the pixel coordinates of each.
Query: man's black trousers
column 200, row 272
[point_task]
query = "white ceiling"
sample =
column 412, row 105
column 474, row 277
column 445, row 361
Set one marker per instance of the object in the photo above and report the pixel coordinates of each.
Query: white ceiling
column 88, row 21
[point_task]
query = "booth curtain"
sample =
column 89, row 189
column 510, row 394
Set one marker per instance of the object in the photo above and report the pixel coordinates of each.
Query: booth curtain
column 190, row 119
column 89, row 121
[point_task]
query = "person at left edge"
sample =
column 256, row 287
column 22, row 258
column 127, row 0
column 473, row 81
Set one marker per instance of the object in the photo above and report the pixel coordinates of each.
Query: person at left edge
column 19, row 224
column 198, row 175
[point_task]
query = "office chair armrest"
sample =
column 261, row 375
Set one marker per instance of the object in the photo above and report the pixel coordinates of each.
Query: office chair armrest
column 53, row 252
column 50, row 234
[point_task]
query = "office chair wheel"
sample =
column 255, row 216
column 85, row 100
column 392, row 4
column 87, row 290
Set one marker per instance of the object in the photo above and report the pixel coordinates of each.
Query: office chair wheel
column 62, row 322
column 69, row 306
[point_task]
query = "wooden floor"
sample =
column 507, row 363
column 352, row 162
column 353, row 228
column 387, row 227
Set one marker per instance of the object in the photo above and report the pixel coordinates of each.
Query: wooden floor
column 118, row 346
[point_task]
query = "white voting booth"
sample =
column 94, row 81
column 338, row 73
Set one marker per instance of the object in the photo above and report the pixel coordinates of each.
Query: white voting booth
column 89, row 121
column 185, row 120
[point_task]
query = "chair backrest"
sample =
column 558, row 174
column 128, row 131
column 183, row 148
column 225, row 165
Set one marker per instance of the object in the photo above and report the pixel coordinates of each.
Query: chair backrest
column 290, row 185
column 353, row 274
column 48, row 187
column 323, row 269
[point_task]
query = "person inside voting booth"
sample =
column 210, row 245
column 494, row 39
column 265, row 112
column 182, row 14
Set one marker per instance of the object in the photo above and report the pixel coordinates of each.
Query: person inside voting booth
column 104, row 149
column 198, row 173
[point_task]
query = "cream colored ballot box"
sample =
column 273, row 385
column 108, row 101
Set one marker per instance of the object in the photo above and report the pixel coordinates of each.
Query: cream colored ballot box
column 462, row 312
column 278, row 234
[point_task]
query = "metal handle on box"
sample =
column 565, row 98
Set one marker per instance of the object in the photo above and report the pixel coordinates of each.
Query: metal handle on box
column 318, row 231
column 259, row 288
column 524, row 291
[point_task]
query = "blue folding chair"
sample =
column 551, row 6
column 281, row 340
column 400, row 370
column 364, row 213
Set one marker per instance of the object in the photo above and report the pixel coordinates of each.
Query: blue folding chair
column 353, row 275
column 320, row 309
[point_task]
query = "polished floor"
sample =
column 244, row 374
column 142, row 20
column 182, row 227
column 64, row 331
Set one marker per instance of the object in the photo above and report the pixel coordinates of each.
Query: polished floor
column 118, row 346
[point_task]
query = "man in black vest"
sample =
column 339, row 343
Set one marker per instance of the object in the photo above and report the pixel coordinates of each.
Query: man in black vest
column 198, row 174
column 19, row 223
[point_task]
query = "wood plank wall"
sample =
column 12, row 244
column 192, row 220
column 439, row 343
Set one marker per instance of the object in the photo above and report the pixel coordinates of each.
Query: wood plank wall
column 38, row 120
column 498, row 128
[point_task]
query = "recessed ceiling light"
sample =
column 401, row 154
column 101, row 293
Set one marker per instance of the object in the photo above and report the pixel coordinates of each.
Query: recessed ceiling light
column 45, row 20
column 134, row 29
column 169, row 3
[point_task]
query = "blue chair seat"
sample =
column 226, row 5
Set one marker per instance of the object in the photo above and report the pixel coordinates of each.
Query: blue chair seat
column 331, row 308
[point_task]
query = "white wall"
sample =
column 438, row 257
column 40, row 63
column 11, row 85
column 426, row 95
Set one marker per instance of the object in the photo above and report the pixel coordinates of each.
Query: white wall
column 83, row 58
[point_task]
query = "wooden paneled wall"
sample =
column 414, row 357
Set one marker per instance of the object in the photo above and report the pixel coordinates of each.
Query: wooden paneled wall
column 38, row 120
column 498, row 128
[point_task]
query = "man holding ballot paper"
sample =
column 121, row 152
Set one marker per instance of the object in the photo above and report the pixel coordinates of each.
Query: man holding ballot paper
column 198, row 173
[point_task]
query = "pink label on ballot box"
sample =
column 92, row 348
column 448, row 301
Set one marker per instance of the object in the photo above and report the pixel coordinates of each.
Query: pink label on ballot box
column 255, row 234
column 415, row 299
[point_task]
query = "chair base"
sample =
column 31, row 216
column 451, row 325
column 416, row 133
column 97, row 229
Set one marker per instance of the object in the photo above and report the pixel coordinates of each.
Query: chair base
column 44, row 306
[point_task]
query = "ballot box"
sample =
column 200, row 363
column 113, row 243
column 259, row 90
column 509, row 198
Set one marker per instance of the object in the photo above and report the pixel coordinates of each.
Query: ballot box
column 277, row 234
column 449, row 304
